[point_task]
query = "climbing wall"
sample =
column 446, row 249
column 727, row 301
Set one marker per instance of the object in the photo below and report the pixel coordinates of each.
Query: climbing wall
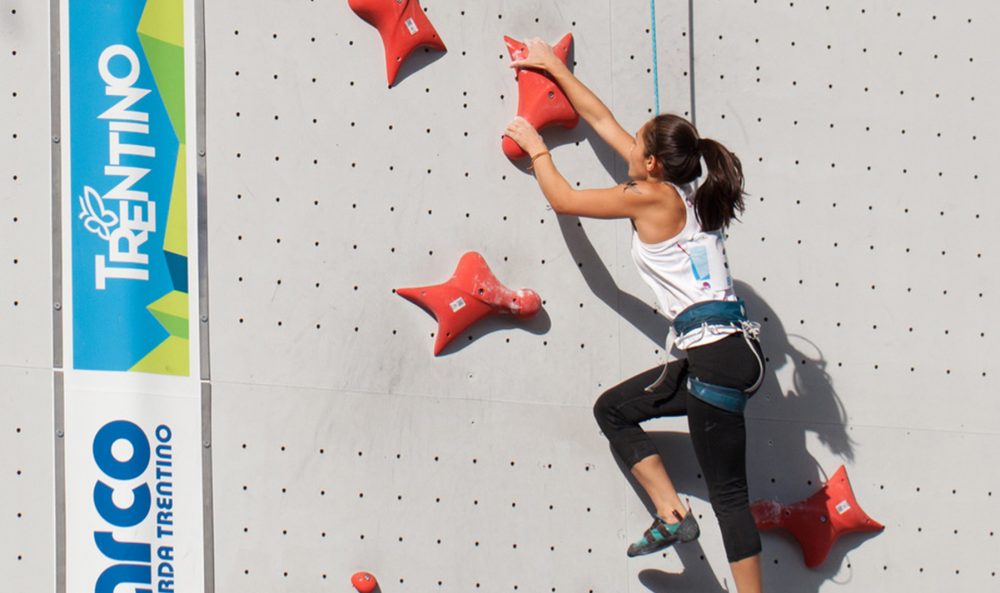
column 340, row 443
column 27, row 553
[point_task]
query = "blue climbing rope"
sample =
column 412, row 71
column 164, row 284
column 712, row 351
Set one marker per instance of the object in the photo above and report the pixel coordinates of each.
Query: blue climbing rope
column 656, row 70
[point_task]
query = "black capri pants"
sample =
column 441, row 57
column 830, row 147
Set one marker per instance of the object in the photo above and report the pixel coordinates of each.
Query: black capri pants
column 719, row 437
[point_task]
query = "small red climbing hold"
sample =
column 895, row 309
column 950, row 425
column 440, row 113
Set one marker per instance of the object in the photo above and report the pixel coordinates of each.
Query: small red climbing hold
column 473, row 292
column 403, row 26
column 819, row 520
column 539, row 98
column 364, row 582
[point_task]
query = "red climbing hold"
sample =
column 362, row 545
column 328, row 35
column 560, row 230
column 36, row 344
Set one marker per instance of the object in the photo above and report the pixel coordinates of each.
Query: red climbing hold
column 364, row 582
column 539, row 98
column 473, row 292
column 819, row 520
column 403, row 26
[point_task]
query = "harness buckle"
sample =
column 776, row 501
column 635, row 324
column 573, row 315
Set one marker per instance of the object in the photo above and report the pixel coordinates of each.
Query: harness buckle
column 751, row 329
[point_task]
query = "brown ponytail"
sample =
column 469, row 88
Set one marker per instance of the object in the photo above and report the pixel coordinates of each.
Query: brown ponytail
column 720, row 197
column 679, row 150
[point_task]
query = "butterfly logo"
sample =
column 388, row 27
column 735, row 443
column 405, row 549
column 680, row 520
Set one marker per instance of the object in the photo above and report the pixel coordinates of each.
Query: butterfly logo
column 96, row 218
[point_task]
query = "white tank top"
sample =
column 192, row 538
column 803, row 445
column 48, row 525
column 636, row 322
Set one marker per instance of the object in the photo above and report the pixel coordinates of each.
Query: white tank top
column 689, row 268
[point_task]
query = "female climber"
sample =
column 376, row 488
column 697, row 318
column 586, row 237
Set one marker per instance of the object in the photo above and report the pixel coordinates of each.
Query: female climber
column 678, row 247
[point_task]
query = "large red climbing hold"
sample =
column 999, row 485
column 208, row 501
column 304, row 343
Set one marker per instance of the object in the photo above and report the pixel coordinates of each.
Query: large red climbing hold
column 539, row 98
column 819, row 520
column 403, row 26
column 473, row 292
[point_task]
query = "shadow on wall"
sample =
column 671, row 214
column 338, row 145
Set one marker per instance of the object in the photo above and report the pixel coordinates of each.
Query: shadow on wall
column 538, row 325
column 810, row 403
column 417, row 61
column 600, row 281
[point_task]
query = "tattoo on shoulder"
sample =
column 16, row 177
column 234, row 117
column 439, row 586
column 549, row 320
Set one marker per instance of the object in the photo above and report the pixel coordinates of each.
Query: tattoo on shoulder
column 631, row 185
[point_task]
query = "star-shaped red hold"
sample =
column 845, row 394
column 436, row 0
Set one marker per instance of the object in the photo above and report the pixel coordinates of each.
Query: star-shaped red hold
column 819, row 520
column 403, row 26
column 473, row 292
column 539, row 98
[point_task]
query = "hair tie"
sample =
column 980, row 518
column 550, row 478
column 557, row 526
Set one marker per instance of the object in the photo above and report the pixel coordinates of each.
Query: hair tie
column 700, row 145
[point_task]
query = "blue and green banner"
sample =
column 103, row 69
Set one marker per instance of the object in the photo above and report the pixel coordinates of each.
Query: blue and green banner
column 132, row 480
column 129, row 187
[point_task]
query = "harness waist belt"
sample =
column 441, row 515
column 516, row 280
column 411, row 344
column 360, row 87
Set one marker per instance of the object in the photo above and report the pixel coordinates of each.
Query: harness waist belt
column 710, row 313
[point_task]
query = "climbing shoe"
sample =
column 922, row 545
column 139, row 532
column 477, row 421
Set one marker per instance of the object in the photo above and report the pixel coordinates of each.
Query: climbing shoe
column 663, row 535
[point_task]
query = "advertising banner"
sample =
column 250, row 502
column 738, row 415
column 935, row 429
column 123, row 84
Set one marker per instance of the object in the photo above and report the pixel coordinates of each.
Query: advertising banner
column 133, row 457
column 133, row 489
